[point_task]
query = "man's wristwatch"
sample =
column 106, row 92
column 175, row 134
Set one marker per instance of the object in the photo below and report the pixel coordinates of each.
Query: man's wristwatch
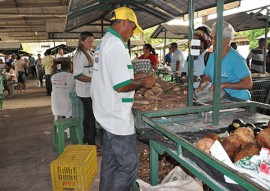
column 198, row 78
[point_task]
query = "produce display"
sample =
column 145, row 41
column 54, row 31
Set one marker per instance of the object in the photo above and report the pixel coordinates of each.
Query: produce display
column 246, row 149
column 244, row 140
column 165, row 165
column 163, row 95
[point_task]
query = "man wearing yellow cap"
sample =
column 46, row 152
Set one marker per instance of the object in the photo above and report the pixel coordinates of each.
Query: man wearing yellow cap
column 112, row 92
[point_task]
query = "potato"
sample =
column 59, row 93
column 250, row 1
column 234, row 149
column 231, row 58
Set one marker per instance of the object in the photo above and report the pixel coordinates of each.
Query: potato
column 247, row 150
column 231, row 145
column 246, row 134
column 263, row 138
column 205, row 144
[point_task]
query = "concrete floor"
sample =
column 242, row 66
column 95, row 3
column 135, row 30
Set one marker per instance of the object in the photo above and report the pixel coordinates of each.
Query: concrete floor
column 26, row 142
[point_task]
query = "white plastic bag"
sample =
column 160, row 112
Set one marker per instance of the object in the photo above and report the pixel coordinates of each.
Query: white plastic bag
column 176, row 180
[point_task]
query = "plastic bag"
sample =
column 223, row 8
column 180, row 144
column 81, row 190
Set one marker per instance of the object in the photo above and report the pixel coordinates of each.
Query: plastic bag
column 176, row 180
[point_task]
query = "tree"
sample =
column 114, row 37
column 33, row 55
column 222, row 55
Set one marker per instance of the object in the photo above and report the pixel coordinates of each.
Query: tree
column 252, row 36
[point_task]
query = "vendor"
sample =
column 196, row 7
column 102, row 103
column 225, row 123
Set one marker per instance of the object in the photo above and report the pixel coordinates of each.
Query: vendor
column 235, row 75
column 150, row 53
column 203, row 34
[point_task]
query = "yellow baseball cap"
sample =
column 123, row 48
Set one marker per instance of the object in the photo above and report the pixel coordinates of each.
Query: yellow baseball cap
column 123, row 13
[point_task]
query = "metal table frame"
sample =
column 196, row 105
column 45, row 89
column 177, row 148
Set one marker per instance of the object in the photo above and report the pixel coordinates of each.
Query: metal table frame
column 157, row 148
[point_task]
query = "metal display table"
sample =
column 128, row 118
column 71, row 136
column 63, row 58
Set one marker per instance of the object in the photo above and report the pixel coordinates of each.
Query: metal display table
column 170, row 123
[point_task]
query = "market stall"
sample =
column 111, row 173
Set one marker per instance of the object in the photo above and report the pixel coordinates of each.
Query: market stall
column 173, row 131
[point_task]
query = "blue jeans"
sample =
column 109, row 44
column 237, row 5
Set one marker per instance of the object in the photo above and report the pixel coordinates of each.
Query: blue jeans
column 119, row 164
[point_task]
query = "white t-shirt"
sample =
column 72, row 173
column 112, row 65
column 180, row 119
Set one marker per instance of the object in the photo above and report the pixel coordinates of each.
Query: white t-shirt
column 62, row 84
column 113, row 69
column 177, row 56
column 199, row 67
column 81, row 66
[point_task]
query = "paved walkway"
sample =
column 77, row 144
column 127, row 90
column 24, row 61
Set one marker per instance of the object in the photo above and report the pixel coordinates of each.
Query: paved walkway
column 34, row 97
column 26, row 141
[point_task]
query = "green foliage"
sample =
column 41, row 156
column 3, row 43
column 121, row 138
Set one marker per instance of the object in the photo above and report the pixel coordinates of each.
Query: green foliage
column 252, row 36
column 155, row 41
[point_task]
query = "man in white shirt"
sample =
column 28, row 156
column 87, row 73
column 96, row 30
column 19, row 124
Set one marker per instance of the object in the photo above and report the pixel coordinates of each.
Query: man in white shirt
column 60, row 53
column 177, row 61
column 203, row 34
column 112, row 92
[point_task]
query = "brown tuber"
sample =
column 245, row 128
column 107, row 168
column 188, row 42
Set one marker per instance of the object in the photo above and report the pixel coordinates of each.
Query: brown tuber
column 263, row 138
column 205, row 144
column 247, row 150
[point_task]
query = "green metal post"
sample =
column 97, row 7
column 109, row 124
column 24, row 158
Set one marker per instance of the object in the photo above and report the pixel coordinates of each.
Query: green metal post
column 218, row 59
column 190, row 58
column 265, row 43
column 153, row 165
column 165, row 43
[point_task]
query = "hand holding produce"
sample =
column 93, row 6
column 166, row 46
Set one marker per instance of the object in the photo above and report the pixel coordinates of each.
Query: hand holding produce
column 150, row 81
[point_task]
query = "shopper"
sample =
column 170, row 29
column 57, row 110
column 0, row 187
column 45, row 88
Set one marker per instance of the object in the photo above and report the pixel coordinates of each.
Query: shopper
column 177, row 62
column 112, row 91
column 62, row 84
column 47, row 63
column 20, row 67
column 235, row 75
column 82, row 71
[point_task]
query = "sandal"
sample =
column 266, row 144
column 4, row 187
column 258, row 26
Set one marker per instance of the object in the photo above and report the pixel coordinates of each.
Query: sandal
column 99, row 153
column 98, row 147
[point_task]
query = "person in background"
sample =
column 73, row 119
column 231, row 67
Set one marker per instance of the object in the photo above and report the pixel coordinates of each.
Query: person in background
column 168, row 57
column 27, row 69
column 47, row 63
column 234, row 45
column 268, row 58
column 11, row 59
column 82, row 70
column 39, row 70
column 203, row 34
column 2, row 64
column 32, row 65
column 9, row 79
column 112, row 91
column 149, row 53
column 177, row 61
column 20, row 67
column 60, row 53
column 62, row 84
column 7, row 57
column 235, row 75
column 256, row 57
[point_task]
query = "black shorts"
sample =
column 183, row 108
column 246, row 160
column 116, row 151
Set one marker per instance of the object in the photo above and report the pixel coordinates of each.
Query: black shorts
column 21, row 77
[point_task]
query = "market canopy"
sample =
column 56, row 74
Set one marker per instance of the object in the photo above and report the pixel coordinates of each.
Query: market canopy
column 64, row 47
column 8, row 48
column 149, row 12
column 243, row 21
column 170, row 32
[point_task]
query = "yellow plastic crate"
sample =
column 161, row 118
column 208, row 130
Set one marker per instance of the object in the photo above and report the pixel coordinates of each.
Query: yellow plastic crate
column 75, row 168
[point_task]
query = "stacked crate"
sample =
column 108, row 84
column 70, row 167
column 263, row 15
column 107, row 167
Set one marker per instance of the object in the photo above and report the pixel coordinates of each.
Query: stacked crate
column 75, row 168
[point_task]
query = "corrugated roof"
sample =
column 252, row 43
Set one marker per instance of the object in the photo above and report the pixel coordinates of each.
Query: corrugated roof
column 172, row 32
column 149, row 12
column 244, row 21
